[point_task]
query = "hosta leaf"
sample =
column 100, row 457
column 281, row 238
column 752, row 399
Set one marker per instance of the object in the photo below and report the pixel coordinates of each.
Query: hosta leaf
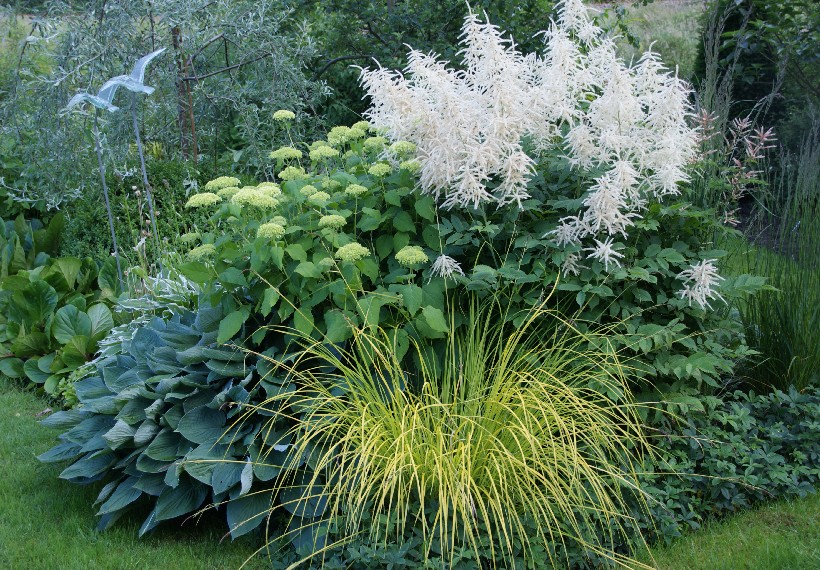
column 119, row 435
column 88, row 467
column 185, row 498
column 226, row 474
column 65, row 419
column 88, row 428
column 247, row 512
column 146, row 433
column 123, row 495
column 164, row 446
column 304, row 500
column 61, row 452
column 202, row 425
column 69, row 322
column 307, row 537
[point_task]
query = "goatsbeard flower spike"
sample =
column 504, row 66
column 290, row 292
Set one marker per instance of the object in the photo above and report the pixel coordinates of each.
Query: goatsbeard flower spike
column 446, row 267
column 700, row 282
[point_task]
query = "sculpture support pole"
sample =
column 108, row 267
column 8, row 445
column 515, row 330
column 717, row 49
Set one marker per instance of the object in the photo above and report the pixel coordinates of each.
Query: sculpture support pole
column 144, row 172
column 98, row 147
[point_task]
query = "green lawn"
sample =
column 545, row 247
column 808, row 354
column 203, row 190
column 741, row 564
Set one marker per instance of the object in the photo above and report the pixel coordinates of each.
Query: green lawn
column 776, row 536
column 48, row 523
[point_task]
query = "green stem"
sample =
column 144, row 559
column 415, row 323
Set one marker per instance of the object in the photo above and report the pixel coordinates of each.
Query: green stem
column 98, row 148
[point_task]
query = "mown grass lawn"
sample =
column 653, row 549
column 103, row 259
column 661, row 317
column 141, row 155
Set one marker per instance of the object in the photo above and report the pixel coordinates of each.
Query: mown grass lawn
column 48, row 523
column 782, row 535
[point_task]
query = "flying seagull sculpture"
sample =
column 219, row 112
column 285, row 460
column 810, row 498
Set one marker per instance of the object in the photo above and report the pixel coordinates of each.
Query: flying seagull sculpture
column 104, row 99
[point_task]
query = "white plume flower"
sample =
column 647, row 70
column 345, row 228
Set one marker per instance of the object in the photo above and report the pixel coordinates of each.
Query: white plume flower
column 700, row 281
column 627, row 125
column 445, row 266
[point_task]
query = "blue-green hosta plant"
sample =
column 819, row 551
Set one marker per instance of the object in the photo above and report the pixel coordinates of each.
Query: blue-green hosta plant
column 155, row 422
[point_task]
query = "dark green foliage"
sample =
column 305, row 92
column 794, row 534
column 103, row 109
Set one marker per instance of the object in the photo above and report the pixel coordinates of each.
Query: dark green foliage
column 52, row 318
column 87, row 234
column 162, row 422
column 769, row 48
column 746, row 449
column 363, row 33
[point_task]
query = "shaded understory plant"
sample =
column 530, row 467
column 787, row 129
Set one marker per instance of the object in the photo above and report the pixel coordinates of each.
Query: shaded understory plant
column 510, row 428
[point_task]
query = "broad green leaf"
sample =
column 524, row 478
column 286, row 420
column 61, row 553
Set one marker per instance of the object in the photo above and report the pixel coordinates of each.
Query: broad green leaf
column 69, row 322
column 102, row 321
column 185, row 498
column 196, row 271
column 269, row 299
column 308, row 269
column 231, row 324
column 120, row 435
column 226, row 474
column 33, row 344
column 338, row 326
column 202, row 425
column 404, row 223
column 12, row 367
column 247, row 512
column 303, row 320
column 435, row 319
column 123, row 495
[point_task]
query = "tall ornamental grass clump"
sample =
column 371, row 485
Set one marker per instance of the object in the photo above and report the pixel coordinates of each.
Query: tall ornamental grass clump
column 512, row 426
column 782, row 325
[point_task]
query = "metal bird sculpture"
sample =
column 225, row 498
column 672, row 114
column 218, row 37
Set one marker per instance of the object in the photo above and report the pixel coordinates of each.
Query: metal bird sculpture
column 104, row 99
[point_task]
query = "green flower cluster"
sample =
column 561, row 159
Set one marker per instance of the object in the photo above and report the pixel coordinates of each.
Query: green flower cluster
column 271, row 230
column 203, row 199
column 323, row 153
column 380, row 169
column 332, row 221
column 292, row 173
column 202, row 252
column 411, row 255
column 284, row 115
column 222, row 182
column 286, row 153
column 352, row 252
column 355, row 190
column 252, row 196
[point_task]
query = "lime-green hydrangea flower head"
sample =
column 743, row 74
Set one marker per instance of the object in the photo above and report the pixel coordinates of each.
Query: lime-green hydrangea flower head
column 203, row 200
column 222, row 182
column 411, row 255
column 228, row 192
column 271, row 230
column 403, row 148
column 279, row 220
column 202, row 252
column 352, row 252
column 413, row 166
column 292, row 173
column 271, row 189
column 374, row 144
column 286, row 153
column 338, row 136
column 189, row 237
column 319, row 197
column 356, row 134
column 250, row 196
column 361, row 126
column 380, row 169
column 355, row 190
column 308, row 190
column 323, row 153
column 332, row 221
column 284, row 115
column 330, row 185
